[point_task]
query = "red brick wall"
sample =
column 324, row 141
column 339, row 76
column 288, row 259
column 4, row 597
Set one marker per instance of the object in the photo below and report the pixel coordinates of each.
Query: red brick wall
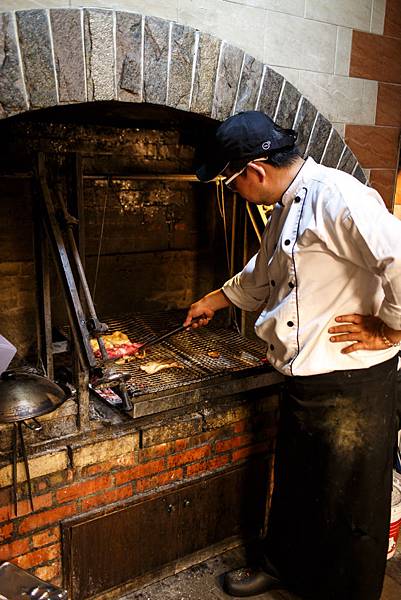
column 100, row 473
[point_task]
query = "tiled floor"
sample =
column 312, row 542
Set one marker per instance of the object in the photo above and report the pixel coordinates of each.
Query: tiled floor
column 202, row 582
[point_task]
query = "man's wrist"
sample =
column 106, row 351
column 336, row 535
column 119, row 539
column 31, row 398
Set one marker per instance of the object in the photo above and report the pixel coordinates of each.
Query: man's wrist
column 388, row 342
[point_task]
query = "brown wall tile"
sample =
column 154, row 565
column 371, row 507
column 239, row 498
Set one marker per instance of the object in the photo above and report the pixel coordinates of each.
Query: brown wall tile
column 388, row 110
column 375, row 57
column 374, row 147
column 392, row 21
column 383, row 181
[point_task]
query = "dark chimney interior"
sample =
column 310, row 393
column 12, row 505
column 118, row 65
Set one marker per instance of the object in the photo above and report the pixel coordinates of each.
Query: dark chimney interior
column 153, row 237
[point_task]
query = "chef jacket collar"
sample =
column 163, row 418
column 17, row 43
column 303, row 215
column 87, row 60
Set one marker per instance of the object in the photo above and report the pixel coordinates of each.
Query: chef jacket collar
column 299, row 181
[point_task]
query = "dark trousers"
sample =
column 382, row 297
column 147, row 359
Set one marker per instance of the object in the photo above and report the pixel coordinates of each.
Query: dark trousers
column 330, row 513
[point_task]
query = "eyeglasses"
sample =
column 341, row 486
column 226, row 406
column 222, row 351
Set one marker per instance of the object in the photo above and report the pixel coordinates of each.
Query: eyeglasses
column 229, row 181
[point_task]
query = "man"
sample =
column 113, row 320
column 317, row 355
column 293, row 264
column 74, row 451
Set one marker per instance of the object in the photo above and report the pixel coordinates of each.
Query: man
column 327, row 280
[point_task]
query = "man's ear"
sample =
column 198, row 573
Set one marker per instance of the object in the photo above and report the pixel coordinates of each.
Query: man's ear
column 259, row 169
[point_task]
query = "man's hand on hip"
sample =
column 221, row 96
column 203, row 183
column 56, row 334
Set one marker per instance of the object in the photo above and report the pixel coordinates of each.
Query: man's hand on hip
column 366, row 332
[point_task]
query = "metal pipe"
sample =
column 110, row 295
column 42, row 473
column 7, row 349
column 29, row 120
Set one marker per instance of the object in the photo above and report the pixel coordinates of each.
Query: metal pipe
column 25, row 458
column 244, row 261
column 253, row 221
column 233, row 231
column 15, row 452
column 147, row 176
column 99, row 327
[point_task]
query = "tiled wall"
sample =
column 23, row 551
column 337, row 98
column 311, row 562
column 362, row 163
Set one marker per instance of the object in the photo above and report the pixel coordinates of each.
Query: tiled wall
column 378, row 58
column 315, row 44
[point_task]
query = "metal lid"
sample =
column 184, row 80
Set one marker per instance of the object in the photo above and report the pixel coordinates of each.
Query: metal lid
column 25, row 396
column 16, row 583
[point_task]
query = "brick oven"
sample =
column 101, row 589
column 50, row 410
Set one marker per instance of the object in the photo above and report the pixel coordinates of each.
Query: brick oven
column 124, row 497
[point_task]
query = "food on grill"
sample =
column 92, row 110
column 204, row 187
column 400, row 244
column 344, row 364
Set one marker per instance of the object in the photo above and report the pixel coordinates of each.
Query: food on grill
column 154, row 367
column 129, row 358
column 213, row 354
column 117, row 345
column 249, row 358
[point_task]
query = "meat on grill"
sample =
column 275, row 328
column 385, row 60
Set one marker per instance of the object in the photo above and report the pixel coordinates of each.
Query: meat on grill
column 154, row 367
column 117, row 345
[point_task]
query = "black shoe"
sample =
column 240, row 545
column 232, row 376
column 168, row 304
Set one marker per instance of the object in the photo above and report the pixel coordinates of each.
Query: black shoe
column 249, row 582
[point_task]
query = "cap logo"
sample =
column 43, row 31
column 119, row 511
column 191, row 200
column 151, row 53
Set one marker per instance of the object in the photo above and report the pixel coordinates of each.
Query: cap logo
column 266, row 145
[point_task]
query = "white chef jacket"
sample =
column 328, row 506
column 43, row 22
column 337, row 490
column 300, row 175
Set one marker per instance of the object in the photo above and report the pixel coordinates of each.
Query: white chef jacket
column 330, row 248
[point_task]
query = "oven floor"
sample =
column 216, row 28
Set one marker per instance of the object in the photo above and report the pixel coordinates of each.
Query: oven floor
column 202, row 581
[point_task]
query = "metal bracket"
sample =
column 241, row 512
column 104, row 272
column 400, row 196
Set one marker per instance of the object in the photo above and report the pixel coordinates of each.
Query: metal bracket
column 77, row 317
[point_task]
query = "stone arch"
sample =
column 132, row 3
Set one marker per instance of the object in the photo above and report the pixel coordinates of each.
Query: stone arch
column 70, row 56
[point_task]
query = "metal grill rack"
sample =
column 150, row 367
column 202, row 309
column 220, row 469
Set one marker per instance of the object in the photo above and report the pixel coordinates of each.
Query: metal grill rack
column 190, row 349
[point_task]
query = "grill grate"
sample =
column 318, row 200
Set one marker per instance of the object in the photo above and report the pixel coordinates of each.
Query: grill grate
column 189, row 348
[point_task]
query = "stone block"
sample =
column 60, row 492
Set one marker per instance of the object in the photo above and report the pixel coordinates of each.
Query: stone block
column 181, row 66
column 175, row 429
column 288, row 105
column 28, row 4
column 343, row 51
column 99, row 54
column 355, row 99
column 319, row 137
column 349, row 13
column 291, row 75
column 334, row 150
column 239, row 25
column 291, row 7
column 102, row 451
column 299, row 43
column 69, row 407
column 304, row 123
column 347, row 161
column 156, row 60
column 164, row 10
column 37, row 58
column 129, row 56
column 378, row 16
column 251, row 79
column 228, row 74
column 12, row 92
column 44, row 464
column 270, row 92
column 205, row 74
column 68, row 54
column 216, row 418
column 359, row 174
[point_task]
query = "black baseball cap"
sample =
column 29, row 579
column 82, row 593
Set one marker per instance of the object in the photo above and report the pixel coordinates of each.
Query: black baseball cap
column 242, row 138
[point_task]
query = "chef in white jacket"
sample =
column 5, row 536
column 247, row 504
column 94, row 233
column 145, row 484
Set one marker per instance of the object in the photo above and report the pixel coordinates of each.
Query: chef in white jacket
column 327, row 285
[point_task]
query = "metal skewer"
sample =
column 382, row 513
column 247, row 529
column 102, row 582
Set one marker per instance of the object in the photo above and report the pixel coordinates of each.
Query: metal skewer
column 163, row 337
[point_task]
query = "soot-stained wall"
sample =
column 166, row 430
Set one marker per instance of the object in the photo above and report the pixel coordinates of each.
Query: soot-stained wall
column 151, row 243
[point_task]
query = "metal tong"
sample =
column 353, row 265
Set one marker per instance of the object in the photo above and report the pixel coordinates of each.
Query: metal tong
column 17, row 433
column 163, row 337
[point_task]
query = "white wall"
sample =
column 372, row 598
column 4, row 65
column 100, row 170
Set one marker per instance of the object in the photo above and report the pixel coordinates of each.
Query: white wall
column 308, row 41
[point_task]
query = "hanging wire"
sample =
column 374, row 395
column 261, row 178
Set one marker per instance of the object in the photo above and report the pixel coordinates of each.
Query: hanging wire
column 101, row 237
column 229, row 255
column 222, row 209
column 253, row 221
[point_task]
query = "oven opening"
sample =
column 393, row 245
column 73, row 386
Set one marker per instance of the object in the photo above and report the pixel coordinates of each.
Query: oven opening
column 124, row 239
